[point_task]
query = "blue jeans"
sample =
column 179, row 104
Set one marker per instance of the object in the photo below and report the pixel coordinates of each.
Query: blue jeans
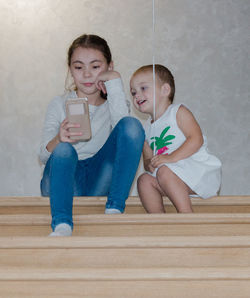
column 110, row 172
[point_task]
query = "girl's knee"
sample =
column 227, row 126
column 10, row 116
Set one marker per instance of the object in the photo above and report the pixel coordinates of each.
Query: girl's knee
column 132, row 129
column 65, row 151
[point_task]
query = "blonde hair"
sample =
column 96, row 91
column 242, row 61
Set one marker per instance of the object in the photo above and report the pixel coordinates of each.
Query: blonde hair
column 163, row 74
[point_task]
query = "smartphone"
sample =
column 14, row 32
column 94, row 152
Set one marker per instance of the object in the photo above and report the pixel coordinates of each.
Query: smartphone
column 77, row 112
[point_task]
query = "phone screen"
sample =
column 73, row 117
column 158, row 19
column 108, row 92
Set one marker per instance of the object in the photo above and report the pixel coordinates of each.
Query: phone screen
column 76, row 109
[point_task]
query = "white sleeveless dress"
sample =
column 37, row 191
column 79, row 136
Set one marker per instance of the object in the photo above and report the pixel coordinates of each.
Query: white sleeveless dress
column 201, row 171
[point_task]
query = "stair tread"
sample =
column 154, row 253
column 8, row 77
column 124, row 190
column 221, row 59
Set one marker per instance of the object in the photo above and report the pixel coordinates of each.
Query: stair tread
column 128, row 242
column 131, row 201
column 192, row 218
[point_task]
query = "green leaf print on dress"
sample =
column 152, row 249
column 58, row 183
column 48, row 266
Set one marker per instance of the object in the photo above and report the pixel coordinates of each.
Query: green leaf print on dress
column 162, row 141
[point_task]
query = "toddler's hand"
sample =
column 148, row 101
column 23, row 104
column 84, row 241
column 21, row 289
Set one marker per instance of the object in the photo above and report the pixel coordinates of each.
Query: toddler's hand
column 151, row 169
column 147, row 165
column 158, row 160
column 104, row 77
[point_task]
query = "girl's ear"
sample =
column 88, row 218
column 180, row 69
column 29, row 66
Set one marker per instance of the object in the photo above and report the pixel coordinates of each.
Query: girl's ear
column 111, row 65
column 165, row 89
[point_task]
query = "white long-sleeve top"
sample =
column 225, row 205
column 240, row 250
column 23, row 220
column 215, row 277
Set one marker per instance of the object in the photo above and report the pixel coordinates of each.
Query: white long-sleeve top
column 103, row 119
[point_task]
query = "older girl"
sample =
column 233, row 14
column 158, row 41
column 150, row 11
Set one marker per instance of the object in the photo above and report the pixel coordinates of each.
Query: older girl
column 106, row 164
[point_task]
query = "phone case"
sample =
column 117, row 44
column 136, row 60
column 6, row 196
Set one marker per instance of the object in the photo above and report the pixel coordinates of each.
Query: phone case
column 77, row 111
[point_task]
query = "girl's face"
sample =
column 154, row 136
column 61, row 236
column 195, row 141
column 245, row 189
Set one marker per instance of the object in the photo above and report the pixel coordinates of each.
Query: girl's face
column 86, row 64
column 142, row 91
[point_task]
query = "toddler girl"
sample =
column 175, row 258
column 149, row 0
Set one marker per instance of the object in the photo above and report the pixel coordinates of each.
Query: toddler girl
column 175, row 154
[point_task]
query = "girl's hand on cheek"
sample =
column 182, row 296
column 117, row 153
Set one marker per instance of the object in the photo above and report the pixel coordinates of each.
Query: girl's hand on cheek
column 101, row 86
column 64, row 133
column 104, row 77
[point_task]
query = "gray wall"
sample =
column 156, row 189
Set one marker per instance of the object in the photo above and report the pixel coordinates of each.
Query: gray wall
column 204, row 42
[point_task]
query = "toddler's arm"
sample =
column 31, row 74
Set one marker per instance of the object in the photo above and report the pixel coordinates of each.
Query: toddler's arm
column 147, row 156
column 194, row 139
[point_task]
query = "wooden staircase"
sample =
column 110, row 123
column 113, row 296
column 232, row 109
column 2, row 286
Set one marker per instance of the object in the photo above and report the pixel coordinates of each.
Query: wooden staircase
column 205, row 254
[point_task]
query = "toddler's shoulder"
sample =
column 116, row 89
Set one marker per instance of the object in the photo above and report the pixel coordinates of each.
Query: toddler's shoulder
column 182, row 109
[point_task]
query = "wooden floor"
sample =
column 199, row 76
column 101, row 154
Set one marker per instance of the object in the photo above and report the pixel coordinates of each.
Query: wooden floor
column 205, row 254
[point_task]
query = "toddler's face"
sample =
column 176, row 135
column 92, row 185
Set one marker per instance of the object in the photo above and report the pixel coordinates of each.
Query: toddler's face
column 142, row 91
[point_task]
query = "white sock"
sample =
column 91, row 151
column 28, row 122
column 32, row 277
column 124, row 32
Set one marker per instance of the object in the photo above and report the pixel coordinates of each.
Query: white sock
column 62, row 230
column 112, row 211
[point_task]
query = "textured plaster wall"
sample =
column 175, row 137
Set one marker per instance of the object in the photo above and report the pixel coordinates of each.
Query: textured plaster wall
column 204, row 42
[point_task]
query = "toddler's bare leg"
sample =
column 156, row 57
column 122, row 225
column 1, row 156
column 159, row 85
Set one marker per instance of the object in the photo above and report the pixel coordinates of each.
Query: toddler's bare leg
column 176, row 190
column 150, row 194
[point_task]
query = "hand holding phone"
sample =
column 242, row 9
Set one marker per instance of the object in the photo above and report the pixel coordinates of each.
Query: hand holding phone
column 77, row 111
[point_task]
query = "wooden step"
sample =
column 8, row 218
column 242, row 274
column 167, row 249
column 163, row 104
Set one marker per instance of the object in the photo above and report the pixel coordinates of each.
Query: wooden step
column 133, row 225
column 128, row 255
column 96, row 205
column 146, row 282
column 125, row 252
column 106, row 274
